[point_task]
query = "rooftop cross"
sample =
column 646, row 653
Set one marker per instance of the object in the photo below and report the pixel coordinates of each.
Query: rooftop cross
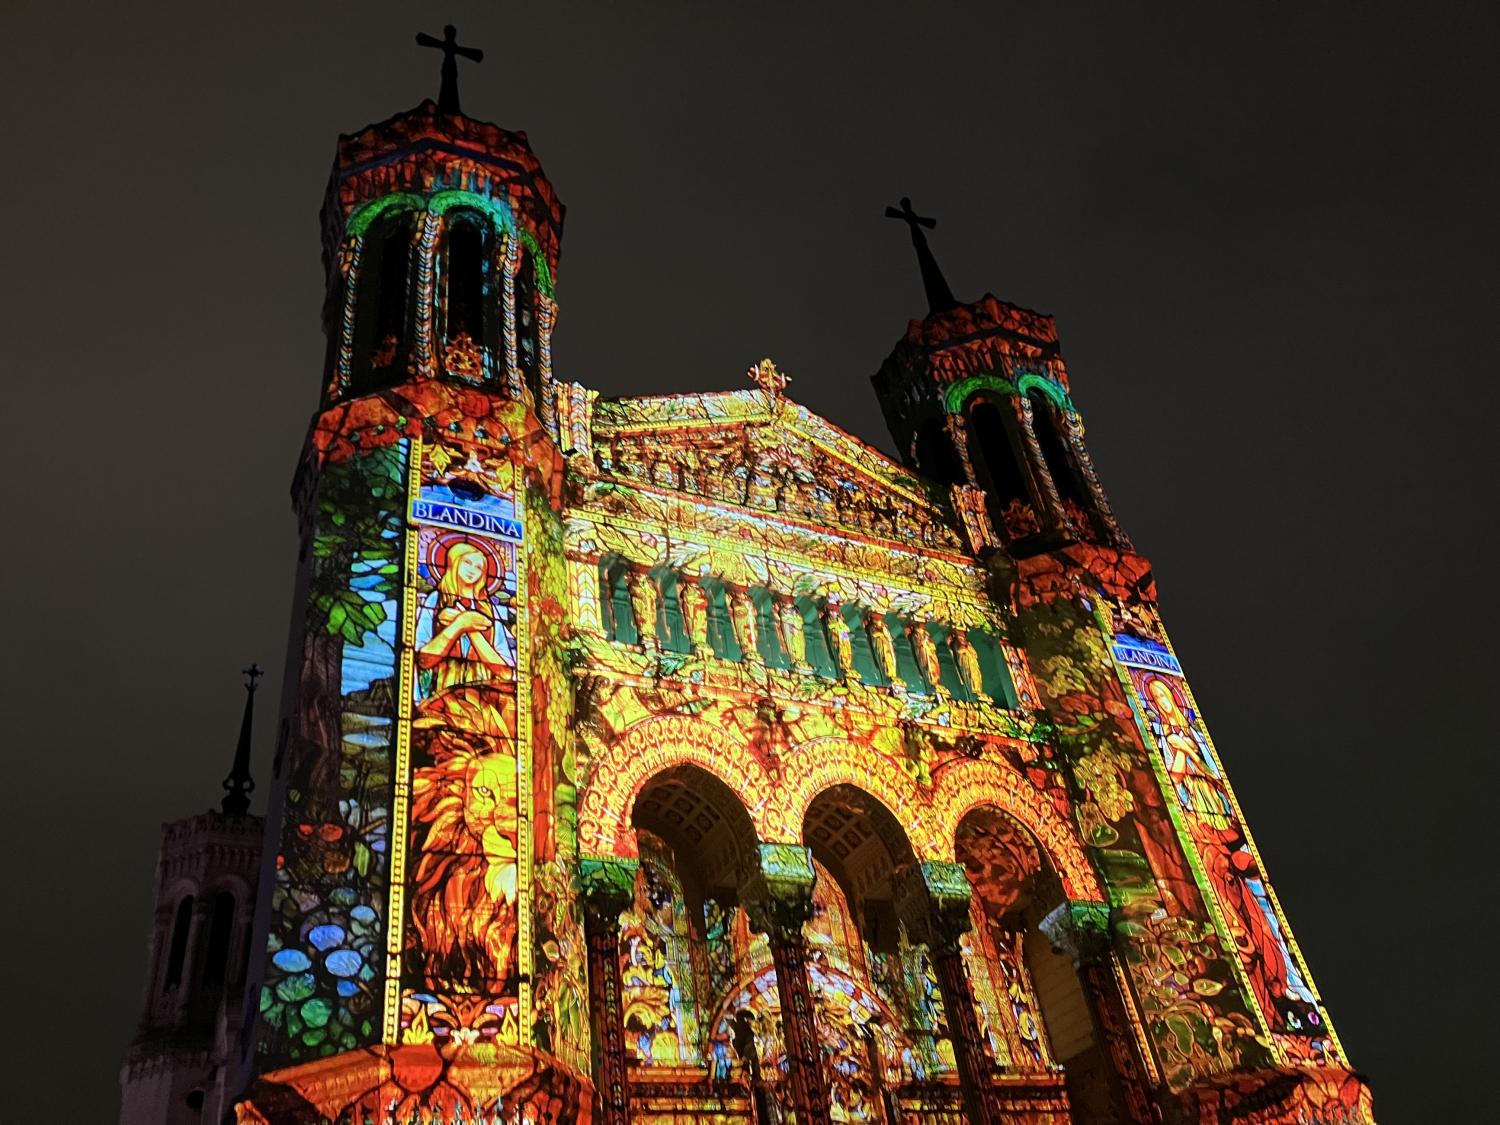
column 939, row 297
column 448, row 44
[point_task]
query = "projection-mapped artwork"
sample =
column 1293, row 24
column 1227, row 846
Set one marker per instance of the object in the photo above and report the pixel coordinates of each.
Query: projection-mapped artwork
column 684, row 757
column 459, row 971
column 1212, row 821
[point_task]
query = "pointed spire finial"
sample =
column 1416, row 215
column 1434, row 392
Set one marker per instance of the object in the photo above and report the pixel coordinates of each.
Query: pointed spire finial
column 239, row 784
column 448, row 44
column 939, row 297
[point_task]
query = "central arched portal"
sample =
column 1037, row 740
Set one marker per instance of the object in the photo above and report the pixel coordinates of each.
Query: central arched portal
column 699, row 1003
column 880, row 1016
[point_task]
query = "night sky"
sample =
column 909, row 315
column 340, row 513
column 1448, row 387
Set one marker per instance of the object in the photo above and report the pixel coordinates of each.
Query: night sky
column 1269, row 237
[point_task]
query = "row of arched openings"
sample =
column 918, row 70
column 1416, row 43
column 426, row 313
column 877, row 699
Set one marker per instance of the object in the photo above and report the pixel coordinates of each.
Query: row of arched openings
column 469, row 279
column 1013, row 483
column 700, row 990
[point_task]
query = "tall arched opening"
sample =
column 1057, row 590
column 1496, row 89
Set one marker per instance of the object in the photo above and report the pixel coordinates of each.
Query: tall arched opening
column 699, row 1001
column 382, row 309
column 1061, row 462
column 880, row 1015
column 1030, row 995
column 1000, row 463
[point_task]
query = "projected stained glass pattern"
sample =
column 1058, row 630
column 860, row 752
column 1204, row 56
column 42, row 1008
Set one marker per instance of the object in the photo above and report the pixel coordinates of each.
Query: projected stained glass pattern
column 323, row 988
column 462, row 893
column 1210, row 816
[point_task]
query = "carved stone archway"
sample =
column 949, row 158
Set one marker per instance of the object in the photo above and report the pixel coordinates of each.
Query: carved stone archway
column 658, row 744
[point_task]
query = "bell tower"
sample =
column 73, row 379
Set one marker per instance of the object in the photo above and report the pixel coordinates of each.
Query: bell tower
column 977, row 398
column 179, row 1067
column 399, row 904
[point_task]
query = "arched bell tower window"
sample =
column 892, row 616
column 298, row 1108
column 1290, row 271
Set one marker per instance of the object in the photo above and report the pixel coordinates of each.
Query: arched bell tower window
column 465, row 275
column 1061, row 464
column 1000, row 468
column 935, row 455
column 220, row 934
column 177, row 952
column 382, row 324
column 526, row 327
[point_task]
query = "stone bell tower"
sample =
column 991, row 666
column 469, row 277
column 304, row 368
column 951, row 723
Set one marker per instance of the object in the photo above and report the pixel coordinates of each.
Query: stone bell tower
column 182, row 1056
column 399, row 907
column 978, row 398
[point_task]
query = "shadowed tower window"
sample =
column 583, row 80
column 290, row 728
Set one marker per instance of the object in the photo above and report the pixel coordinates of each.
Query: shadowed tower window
column 465, row 279
column 1061, row 464
column 526, row 327
column 381, row 321
column 177, row 954
column 220, row 933
column 935, row 454
column 1001, row 472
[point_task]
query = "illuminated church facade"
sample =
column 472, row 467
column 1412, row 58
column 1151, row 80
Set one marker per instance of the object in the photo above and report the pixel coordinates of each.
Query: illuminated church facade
column 684, row 758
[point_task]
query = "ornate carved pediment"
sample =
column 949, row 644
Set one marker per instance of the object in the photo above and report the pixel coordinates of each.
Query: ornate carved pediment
column 757, row 449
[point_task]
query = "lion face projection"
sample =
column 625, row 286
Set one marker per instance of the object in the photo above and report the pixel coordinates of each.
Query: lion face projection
column 463, row 888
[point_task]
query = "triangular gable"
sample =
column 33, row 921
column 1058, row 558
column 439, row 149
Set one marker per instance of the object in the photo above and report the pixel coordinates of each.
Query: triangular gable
column 764, row 451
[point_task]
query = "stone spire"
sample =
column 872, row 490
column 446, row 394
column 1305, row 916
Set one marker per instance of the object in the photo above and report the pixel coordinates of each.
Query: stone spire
column 239, row 784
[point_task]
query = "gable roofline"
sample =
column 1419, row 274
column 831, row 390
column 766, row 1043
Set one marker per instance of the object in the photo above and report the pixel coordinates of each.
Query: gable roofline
column 742, row 409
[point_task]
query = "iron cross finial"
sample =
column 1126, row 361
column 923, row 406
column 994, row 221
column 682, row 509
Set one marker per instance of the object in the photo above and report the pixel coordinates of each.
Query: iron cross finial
column 252, row 676
column 448, row 44
column 939, row 297
column 908, row 216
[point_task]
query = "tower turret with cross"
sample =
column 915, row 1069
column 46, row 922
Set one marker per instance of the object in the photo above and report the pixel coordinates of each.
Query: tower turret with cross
column 394, row 923
column 939, row 297
column 452, row 52
column 976, row 395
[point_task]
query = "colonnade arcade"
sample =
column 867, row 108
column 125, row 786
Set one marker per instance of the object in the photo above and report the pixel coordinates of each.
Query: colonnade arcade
column 844, row 971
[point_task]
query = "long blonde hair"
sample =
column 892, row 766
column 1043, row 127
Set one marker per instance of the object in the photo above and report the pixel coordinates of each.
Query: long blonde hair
column 449, row 585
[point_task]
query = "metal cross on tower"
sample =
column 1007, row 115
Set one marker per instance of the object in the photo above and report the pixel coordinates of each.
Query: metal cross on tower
column 939, row 297
column 448, row 44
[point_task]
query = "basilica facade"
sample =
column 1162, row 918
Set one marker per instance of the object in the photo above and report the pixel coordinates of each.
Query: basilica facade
column 685, row 758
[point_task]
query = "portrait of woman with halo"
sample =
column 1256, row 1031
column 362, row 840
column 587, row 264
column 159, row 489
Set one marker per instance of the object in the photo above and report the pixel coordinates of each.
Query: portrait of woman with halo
column 464, row 622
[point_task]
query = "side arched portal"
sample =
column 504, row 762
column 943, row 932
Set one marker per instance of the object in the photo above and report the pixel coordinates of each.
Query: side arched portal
column 1043, row 1003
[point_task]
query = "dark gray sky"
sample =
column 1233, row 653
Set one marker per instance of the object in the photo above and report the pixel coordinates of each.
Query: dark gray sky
column 1269, row 236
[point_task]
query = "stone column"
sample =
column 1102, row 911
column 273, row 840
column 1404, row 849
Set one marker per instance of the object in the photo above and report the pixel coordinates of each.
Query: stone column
column 1081, row 930
column 608, row 887
column 937, row 906
column 778, row 897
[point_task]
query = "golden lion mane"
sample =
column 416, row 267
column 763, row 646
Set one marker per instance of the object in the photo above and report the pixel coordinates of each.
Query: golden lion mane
column 464, row 934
